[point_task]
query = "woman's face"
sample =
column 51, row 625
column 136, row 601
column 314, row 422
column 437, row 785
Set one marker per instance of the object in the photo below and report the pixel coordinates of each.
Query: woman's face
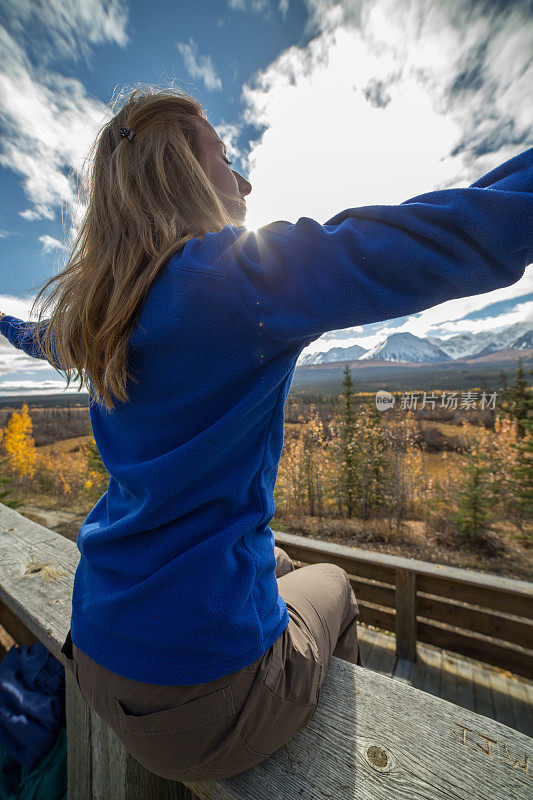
column 214, row 163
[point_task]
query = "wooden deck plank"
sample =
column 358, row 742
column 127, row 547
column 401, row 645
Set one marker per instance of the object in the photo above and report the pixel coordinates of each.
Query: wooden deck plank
column 403, row 671
column 464, row 696
column 383, row 656
column 489, row 691
column 502, row 702
column 448, row 677
column 466, row 682
column 522, row 710
column 483, row 702
column 368, row 638
column 528, row 689
column 427, row 670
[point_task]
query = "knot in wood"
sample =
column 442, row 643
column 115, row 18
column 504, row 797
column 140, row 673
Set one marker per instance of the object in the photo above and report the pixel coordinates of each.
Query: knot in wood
column 377, row 756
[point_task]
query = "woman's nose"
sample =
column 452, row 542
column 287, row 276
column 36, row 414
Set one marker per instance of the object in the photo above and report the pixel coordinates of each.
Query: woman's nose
column 245, row 187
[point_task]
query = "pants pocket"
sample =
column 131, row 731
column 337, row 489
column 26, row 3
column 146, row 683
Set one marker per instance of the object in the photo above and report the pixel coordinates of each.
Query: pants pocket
column 270, row 721
column 173, row 740
column 231, row 758
column 292, row 669
column 284, row 696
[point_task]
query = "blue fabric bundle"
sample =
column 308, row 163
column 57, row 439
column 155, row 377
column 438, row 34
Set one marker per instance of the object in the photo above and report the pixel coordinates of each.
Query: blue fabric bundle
column 32, row 703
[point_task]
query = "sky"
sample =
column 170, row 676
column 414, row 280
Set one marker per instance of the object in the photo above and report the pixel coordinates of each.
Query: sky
column 323, row 106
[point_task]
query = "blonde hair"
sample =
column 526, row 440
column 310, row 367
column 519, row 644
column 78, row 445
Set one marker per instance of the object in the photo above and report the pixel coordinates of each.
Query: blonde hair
column 145, row 199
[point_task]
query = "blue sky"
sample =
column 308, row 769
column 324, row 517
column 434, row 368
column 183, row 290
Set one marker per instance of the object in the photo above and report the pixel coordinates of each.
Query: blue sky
column 323, row 106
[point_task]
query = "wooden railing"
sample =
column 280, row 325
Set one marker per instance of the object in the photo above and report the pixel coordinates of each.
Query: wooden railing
column 472, row 613
column 371, row 736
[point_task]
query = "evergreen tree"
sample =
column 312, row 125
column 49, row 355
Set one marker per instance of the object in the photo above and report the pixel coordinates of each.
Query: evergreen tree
column 5, row 491
column 476, row 499
column 524, row 478
column 520, row 400
column 347, row 443
column 502, row 377
column 502, row 402
column 369, row 460
column 523, row 473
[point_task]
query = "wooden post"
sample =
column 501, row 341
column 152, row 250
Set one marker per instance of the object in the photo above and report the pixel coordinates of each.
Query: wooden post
column 79, row 761
column 405, row 614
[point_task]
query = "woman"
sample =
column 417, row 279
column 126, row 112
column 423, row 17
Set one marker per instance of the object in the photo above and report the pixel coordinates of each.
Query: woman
column 191, row 634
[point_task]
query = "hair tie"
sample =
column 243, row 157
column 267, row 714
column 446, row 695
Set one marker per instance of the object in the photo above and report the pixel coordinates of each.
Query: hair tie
column 126, row 132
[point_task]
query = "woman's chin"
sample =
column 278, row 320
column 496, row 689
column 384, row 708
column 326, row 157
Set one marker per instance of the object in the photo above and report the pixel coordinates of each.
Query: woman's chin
column 238, row 220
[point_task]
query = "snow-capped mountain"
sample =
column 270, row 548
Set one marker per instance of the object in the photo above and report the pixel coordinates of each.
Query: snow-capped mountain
column 462, row 344
column 500, row 341
column 351, row 353
column 406, row 347
column 482, row 343
column 526, row 340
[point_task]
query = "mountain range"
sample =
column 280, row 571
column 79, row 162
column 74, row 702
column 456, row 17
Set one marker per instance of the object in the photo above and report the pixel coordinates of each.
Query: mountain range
column 407, row 347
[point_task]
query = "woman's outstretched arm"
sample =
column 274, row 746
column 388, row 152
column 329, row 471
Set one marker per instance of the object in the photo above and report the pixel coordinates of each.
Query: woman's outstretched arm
column 23, row 335
column 374, row 263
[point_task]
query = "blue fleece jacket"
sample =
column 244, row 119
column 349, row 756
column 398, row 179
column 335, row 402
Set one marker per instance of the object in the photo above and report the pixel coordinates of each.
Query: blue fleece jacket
column 176, row 581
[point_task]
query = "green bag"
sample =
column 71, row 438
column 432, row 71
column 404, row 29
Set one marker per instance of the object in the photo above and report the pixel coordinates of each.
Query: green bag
column 46, row 781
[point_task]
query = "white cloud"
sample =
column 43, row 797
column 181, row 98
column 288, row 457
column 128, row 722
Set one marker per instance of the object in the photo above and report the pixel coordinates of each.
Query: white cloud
column 521, row 312
column 66, row 30
column 16, row 307
column 375, row 113
column 263, row 8
column 15, row 363
column 257, row 6
column 200, row 67
column 50, row 244
column 49, row 121
column 229, row 133
column 386, row 102
column 32, row 388
column 446, row 316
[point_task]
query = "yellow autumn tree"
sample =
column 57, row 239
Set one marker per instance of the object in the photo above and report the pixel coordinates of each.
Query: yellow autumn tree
column 405, row 466
column 62, row 474
column 504, row 457
column 314, row 444
column 18, row 444
column 290, row 483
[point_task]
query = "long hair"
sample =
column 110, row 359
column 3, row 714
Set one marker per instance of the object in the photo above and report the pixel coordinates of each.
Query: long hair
column 145, row 198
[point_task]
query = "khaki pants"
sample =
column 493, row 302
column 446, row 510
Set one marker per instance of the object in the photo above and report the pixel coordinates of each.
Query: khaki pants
column 218, row 729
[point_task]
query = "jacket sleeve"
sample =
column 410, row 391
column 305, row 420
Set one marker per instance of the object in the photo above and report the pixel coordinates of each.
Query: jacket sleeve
column 23, row 335
column 380, row 262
